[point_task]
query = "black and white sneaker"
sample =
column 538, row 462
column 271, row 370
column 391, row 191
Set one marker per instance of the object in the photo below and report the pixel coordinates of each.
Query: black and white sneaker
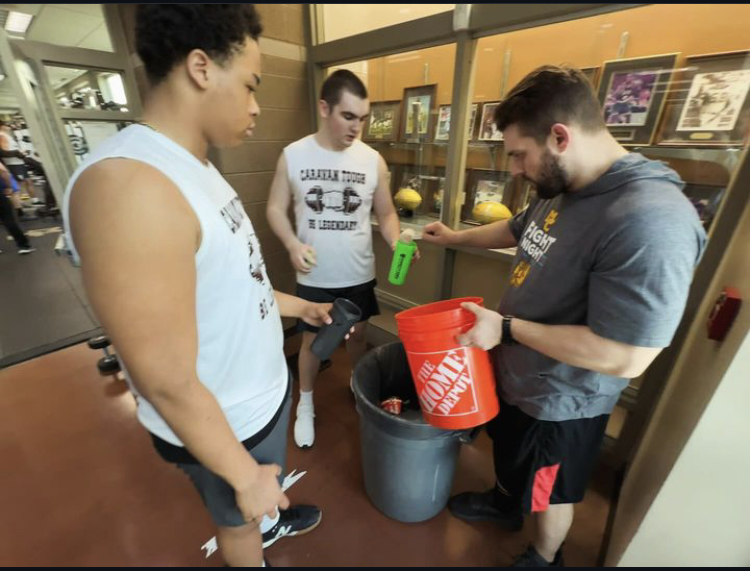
column 491, row 505
column 297, row 520
column 532, row 558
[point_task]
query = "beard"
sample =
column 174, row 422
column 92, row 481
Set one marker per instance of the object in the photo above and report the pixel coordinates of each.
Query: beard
column 553, row 180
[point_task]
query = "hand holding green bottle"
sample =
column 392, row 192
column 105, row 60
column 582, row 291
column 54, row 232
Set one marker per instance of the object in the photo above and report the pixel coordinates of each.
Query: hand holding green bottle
column 402, row 256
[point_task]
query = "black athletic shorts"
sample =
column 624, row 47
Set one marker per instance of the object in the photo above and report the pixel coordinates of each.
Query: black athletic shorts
column 19, row 172
column 541, row 462
column 362, row 295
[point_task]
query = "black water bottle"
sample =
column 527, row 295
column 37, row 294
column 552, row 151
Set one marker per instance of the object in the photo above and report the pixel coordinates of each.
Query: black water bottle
column 344, row 314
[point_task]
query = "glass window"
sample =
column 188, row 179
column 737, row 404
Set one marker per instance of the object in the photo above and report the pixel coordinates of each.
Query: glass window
column 85, row 136
column 676, row 92
column 670, row 87
column 410, row 96
column 343, row 20
column 76, row 88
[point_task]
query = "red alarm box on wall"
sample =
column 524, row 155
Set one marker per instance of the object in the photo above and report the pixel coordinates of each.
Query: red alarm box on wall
column 723, row 314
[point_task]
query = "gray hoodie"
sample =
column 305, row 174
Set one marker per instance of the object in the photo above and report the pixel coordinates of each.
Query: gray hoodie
column 617, row 256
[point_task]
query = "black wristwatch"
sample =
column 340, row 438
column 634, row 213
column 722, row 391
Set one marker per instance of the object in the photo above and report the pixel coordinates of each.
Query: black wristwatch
column 507, row 335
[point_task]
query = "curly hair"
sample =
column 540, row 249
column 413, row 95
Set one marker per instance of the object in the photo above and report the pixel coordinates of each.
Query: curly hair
column 167, row 33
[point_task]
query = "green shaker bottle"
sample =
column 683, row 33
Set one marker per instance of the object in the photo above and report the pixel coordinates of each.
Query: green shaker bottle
column 405, row 248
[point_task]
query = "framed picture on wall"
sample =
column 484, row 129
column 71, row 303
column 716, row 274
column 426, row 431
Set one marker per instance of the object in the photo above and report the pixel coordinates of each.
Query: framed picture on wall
column 417, row 123
column 632, row 93
column 592, row 74
column 712, row 105
column 383, row 122
column 485, row 186
column 473, row 119
column 488, row 131
column 444, row 121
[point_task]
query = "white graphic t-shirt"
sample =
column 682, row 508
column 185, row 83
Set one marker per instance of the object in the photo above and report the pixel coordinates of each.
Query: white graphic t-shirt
column 333, row 193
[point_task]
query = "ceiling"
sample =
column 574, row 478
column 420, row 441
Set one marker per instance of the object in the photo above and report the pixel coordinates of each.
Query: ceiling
column 76, row 25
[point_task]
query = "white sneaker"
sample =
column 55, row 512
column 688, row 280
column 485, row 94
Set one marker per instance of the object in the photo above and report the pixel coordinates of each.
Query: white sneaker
column 24, row 251
column 304, row 426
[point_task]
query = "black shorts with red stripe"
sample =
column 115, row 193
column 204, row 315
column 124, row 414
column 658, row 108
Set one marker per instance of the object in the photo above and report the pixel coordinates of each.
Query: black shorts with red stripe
column 542, row 462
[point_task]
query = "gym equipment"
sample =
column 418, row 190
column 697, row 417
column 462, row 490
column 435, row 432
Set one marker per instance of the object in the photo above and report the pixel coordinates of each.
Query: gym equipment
column 109, row 363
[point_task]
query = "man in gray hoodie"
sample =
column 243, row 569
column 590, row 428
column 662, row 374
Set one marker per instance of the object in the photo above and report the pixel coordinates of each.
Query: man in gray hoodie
column 598, row 286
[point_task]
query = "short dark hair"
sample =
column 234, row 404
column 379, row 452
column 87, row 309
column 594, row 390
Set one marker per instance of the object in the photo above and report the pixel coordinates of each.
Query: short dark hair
column 339, row 81
column 167, row 33
column 548, row 95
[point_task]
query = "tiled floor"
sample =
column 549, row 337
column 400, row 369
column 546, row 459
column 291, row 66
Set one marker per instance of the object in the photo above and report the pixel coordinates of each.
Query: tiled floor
column 81, row 486
column 43, row 304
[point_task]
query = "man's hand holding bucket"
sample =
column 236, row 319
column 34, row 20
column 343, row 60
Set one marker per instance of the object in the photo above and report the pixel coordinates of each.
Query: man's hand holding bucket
column 487, row 331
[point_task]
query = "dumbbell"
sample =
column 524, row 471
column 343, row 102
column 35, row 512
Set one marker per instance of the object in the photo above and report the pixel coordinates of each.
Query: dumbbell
column 314, row 199
column 109, row 363
column 352, row 201
column 347, row 201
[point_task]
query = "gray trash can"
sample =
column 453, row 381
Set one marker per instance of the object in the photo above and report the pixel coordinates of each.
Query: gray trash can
column 408, row 465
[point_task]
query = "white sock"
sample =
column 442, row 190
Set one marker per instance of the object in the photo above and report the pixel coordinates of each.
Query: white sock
column 267, row 523
column 306, row 398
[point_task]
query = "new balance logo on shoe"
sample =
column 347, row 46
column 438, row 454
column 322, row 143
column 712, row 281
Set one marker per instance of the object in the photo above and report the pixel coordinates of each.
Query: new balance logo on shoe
column 297, row 520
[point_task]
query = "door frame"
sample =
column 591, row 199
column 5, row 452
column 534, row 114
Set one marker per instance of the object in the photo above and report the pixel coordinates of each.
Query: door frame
column 36, row 99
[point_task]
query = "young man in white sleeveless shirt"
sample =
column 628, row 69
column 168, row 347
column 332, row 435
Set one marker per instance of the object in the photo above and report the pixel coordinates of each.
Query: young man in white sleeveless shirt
column 335, row 181
column 175, row 273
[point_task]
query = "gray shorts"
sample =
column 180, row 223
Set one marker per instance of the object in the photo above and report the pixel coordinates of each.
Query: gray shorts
column 218, row 496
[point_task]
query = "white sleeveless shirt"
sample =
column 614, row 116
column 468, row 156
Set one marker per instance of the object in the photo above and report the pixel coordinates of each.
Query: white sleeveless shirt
column 333, row 193
column 12, row 146
column 240, row 337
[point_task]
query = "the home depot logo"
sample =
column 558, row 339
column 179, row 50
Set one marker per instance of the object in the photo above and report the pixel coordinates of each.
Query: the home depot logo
column 446, row 384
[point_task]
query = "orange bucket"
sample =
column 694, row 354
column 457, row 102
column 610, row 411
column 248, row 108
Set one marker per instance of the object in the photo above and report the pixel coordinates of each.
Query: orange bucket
column 455, row 384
